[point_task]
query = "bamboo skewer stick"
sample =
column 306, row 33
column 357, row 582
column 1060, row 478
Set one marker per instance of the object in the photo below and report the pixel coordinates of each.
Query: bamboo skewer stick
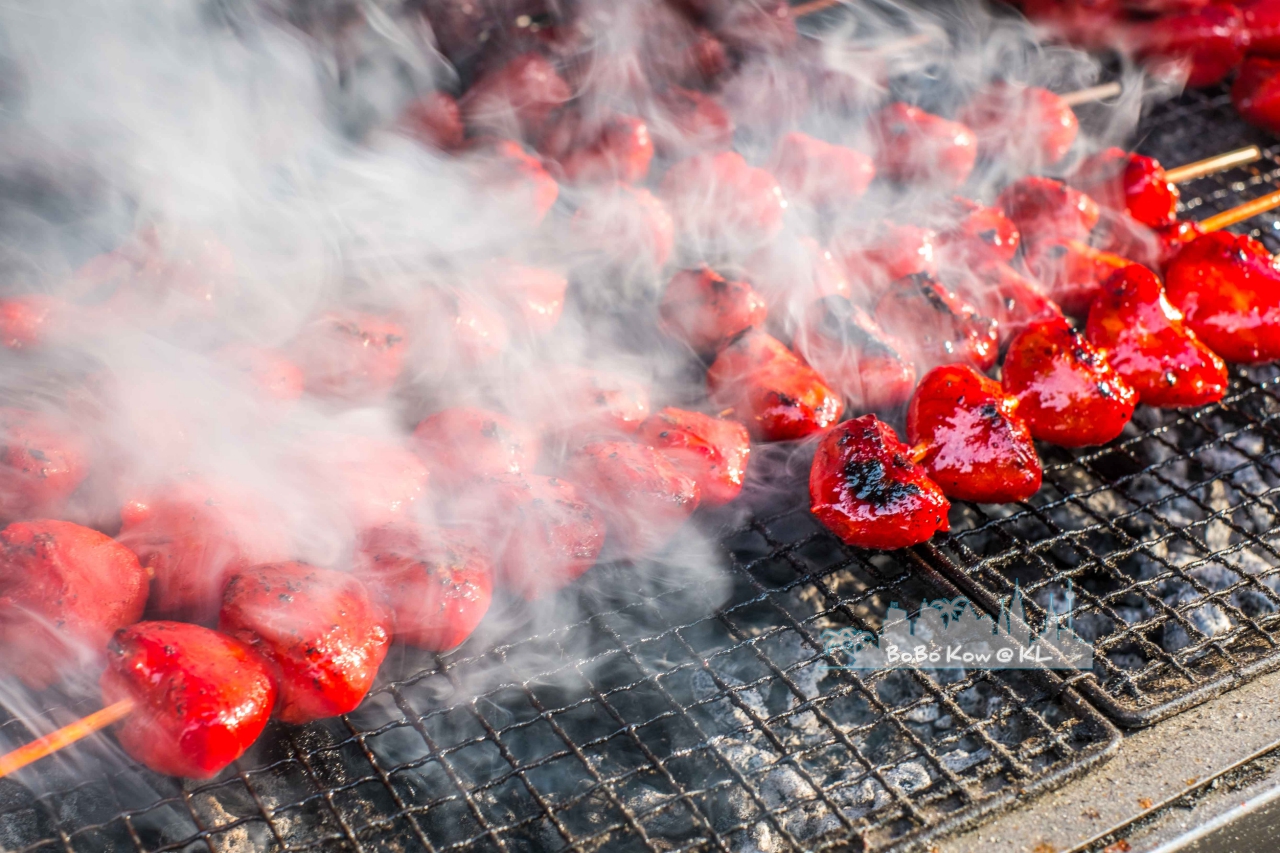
column 813, row 7
column 1241, row 212
column 1210, row 165
column 68, row 734
column 1093, row 93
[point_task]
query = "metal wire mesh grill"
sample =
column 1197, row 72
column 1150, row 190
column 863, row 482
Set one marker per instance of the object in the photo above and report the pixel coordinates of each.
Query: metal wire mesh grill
column 666, row 722
column 1170, row 534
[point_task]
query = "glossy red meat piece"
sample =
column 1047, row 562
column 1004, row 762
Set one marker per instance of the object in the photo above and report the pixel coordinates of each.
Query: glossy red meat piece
column 1072, row 272
column 706, row 310
column 320, row 631
column 864, row 487
column 64, row 590
column 686, row 121
column 1210, row 41
column 1122, row 235
column 458, row 329
column 436, row 583
column 918, row 147
column 976, row 232
column 1087, row 23
column 191, row 534
column 644, row 498
column 819, row 174
column 42, row 462
column 1228, row 288
column 629, row 225
column 1262, row 25
column 851, row 352
column 766, row 97
column 1045, row 209
column 1067, row 391
column 791, row 272
column 200, row 698
column 1256, row 93
column 771, row 390
column 976, row 446
column 999, row 291
column 461, row 443
column 713, row 451
column 887, row 253
column 434, row 119
column 718, row 197
column 518, row 97
column 31, row 320
column 935, row 325
column 545, row 531
column 272, row 372
column 506, row 170
column 580, row 402
column 532, row 297
column 363, row 481
column 1025, row 126
column 594, row 151
column 350, row 355
column 1149, row 345
column 1136, row 184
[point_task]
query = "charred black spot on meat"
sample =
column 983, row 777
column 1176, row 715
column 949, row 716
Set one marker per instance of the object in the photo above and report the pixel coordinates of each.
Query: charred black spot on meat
column 868, row 481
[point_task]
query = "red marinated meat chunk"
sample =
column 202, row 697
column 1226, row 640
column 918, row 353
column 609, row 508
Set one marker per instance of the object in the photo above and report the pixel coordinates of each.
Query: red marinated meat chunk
column 616, row 148
column 686, row 121
column 1045, row 209
column 721, row 199
column 887, row 253
column 434, row 119
column 42, row 462
column 461, row 443
column 864, row 487
column 519, row 97
column 644, row 498
column 629, row 226
column 437, row 583
column 503, row 169
column 350, row 355
column 29, row 321
column 706, row 310
column 532, row 298
column 1256, row 93
column 976, row 448
column 713, row 451
column 976, row 232
column 318, row 629
column 820, row 174
column 850, row 350
column 64, row 590
column 1025, row 126
column 778, row 396
column 1211, row 41
column 200, row 698
column 1149, row 345
column 935, row 325
column 1228, row 288
column 1067, row 391
column 918, row 147
column 1132, row 183
column 274, row 374
column 1072, row 272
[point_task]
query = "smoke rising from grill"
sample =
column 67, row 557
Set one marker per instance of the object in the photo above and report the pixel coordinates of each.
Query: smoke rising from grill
column 197, row 188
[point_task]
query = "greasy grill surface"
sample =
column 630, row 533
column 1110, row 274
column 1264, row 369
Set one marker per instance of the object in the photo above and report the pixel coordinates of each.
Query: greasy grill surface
column 662, row 722
column 1171, row 534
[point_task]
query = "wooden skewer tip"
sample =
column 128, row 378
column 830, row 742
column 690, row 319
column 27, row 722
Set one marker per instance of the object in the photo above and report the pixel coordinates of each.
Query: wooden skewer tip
column 1214, row 164
column 65, row 736
column 1241, row 212
column 1093, row 93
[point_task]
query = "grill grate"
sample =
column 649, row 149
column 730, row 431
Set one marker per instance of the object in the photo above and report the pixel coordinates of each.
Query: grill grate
column 684, row 726
column 1171, row 534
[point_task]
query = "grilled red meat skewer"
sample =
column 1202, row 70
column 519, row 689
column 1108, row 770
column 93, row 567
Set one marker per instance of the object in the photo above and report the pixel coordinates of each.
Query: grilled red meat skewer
column 1228, row 288
column 1262, row 23
column 976, row 232
column 462, row 442
column 886, row 254
column 436, row 583
column 820, row 174
column 191, row 535
column 850, row 350
column 274, row 374
column 1045, row 209
column 1130, row 182
column 350, row 355
column 935, row 325
column 713, row 451
column 1256, row 93
column 1030, row 126
column 718, row 198
column 791, row 272
column 686, row 121
column 362, row 480
column 778, row 396
column 975, row 446
column 629, row 225
column 517, row 98
column 1067, row 391
column 594, row 151
column 1212, row 40
column 434, row 119
column 532, row 298
column 916, row 146
column 1072, row 272
column 31, row 320
column 42, row 462
column 200, row 698
column 579, row 403
column 866, row 489
column 706, row 310
column 1149, row 345
column 643, row 497
column 504, row 169
column 1000, row 292
column 66, row 589
column 318, row 629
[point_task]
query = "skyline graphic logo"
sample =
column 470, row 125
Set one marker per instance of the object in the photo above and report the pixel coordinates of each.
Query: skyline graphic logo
column 950, row 634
